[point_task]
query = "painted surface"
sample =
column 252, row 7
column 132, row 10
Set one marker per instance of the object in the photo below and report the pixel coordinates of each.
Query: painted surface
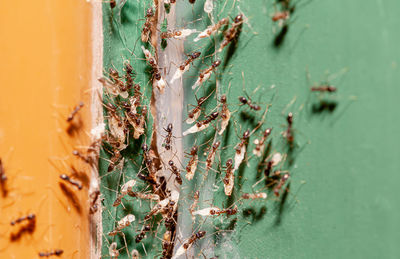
column 45, row 71
column 344, row 196
column 342, row 201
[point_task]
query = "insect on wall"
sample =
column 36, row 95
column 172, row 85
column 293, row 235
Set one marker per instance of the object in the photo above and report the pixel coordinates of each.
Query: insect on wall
column 183, row 141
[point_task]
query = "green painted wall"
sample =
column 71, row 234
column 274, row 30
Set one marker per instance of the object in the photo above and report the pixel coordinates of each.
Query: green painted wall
column 348, row 207
column 342, row 201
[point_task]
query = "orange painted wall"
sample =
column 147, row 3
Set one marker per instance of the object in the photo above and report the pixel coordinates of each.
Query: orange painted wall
column 45, row 64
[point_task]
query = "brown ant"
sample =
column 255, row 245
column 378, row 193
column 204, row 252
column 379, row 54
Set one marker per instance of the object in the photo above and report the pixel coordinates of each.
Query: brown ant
column 168, row 137
column 289, row 132
column 280, row 16
column 229, row 178
column 260, row 143
column 194, row 114
column 120, row 86
column 167, row 244
column 170, row 34
column 282, row 181
column 175, row 171
column 208, row 119
column 75, row 111
column 143, row 196
column 113, row 4
column 28, row 228
column 231, row 211
column 241, row 149
column 253, row 196
column 225, row 115
column 56, row 252
column 123, row 223
column 147, row 25
column 211, row 154
column 124, row 191
column 71, row 181
column 245, row 101
column 159, row 80
column 190, row 59
column 206, row 74
column 193, row 238
column 324, row 88
column 142, row 233
column 192, row 165
column 232, row 32
column 185, row 66
column 186, row 245
column 155, row 210
column 196, row 197
column 149, row 160
column 29, row 217
column 212, row 29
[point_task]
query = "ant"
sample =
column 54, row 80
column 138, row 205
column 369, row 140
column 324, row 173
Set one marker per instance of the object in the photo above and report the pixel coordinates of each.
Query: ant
column 194, row 114
column 282, row 181
column 28, row 228
column 260, row 143
column 124, row 190
column 123, row 223
column 71, row 181
column 167, row 245
column 241, row 149
column 142, row 234
column 229, row 178
column 196, row 197
column 232, row 32
column 168, row 137
column 211, row 155
column 143, row 196
column 186, row 65
column 245, row 101
column 182, row 249
column 225, row 115
column 175, row 171
column 75, row 111
column 193, row 238
column 227, row 211
column 212, row 29
column 253, row 196
column 147, row 25
column 113, row 4
column 201, row 125
column 192, row 165
column 324, row 88
column 206, row 74
column 29, row 217
column 289, row 132
column 190, row 59
column 56, row 252
column 160, row 82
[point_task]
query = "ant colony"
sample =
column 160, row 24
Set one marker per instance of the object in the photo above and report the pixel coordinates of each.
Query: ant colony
column 173, row 181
